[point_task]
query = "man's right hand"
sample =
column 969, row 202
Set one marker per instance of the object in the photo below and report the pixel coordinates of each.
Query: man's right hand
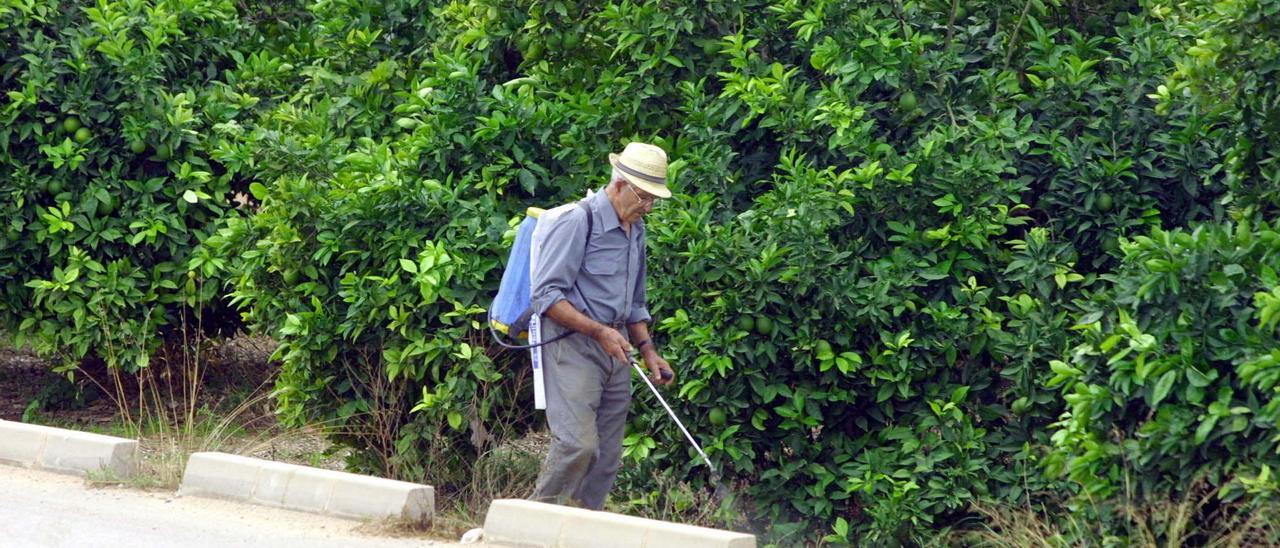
column 614, row 344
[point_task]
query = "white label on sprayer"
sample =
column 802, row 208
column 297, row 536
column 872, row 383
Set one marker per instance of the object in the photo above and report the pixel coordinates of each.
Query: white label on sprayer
column 535, row 357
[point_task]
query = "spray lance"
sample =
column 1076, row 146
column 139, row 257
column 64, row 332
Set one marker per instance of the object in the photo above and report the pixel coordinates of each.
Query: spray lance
column 721, row 491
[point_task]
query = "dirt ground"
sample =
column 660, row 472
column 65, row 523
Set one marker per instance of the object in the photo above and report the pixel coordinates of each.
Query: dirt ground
column 23, row 375
column 238, row 365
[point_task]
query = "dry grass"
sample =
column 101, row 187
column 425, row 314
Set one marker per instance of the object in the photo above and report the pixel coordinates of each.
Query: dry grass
column 679, row 502
column 200, row 395
column 509, row 470
column 1191, row 521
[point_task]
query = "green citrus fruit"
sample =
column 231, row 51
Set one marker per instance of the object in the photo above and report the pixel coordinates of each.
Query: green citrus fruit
column 83, row 135
column 162, row 152
column 746, row 323
column 1021, row 405
column 70, row 124
column 107, row 207
column 291, row 276
column 1111, row 244
column 534, row 52
column 55, row 186
column 907, row 102
column 764, row 325
column 137, row 147
column 717, row 417
column 961, row 13
column 1104, row 202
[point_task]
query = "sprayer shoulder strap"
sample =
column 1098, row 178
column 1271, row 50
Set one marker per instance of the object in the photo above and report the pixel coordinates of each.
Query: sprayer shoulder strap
column 586, row 209
column 586, row 243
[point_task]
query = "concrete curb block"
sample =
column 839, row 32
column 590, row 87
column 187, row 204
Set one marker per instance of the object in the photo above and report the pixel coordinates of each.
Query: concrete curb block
column 525, row 523
column 304, row 488
column 66, row 451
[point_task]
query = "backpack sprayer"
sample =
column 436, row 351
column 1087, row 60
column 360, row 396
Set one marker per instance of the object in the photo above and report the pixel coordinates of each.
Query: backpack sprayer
column 511, row 314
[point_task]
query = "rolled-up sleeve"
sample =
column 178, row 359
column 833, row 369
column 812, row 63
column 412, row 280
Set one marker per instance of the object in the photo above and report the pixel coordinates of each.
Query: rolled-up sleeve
column 639, row 304
column 560, row 258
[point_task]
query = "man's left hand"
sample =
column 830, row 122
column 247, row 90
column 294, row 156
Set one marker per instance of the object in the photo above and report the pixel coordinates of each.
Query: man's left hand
column 657, row 366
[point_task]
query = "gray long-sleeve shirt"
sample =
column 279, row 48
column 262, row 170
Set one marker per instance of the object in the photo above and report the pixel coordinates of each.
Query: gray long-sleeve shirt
column 604, row 277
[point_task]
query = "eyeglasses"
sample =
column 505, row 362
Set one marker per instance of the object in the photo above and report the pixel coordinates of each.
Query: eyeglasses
column 647, row 199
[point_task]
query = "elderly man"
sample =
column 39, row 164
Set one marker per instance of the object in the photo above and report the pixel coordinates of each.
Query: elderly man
column 594, row 286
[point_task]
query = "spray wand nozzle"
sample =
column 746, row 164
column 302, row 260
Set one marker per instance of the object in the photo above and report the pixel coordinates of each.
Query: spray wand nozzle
column 715, row 474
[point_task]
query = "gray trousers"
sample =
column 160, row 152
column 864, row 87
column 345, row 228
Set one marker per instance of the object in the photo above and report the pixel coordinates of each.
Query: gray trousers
column 587, row 398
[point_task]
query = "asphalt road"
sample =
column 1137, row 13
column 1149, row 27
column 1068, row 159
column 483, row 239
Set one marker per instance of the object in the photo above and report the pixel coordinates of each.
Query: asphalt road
column 41, row 509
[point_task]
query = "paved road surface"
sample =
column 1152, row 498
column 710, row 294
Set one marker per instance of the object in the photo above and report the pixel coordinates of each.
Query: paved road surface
column 40, row 509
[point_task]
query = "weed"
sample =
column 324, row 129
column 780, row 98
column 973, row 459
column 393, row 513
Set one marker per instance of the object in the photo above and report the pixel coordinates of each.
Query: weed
column 678, row 502
column 1194, row 519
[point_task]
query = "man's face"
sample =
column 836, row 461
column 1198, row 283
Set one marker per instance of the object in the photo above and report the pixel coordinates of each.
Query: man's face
column 637, row 204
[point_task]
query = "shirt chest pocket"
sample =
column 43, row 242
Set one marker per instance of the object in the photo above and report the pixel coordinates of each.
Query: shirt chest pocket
column 604, row 261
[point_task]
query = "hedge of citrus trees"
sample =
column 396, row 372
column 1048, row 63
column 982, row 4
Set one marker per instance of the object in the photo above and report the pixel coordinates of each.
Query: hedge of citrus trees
column 922, row 254
column 114, row 119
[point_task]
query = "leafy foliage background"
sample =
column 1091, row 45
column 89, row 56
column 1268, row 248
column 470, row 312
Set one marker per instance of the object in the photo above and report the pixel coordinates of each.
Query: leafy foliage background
column 922, row 254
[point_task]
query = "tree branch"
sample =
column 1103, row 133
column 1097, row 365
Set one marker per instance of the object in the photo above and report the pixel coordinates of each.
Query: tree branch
column 1015, row 33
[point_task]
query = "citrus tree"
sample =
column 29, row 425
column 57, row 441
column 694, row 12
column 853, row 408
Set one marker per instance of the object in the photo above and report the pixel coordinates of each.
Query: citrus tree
column 887, row 215
column 110, row 171
column 902, row 236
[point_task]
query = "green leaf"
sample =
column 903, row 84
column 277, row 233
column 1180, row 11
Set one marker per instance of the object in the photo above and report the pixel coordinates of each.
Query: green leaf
column 1205, row 428
column 1061, row 368
column 1163, row 386
column 885, row 392
column 190, row 197
column 842, row 528
column 455, row 420
column 1110, row 342
column 528, row 181
column 258, row 190
column 409, row 266
column 1198, row 379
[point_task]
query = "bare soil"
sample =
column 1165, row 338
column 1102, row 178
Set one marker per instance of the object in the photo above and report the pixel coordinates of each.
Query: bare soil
column 22, row 375
column 235, row 368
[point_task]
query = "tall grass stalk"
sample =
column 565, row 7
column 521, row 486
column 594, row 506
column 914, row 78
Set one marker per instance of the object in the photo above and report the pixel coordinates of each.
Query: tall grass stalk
column 1195, row 519
column 164, row 406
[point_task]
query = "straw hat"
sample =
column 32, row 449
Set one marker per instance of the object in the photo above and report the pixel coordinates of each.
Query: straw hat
column 645, row 166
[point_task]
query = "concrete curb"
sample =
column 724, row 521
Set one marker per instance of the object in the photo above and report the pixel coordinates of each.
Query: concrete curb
column 66, row 451
column 304, row 488
column 526, row 523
